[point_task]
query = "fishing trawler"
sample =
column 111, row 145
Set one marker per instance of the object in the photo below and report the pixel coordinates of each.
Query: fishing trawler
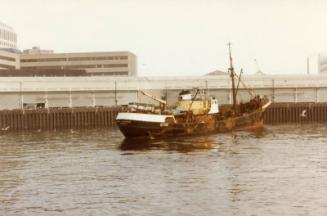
column 193, row 114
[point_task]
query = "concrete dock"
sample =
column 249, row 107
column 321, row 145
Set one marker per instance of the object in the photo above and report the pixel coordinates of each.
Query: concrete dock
column 51, row 103
column 58, row 118
column 104, row 117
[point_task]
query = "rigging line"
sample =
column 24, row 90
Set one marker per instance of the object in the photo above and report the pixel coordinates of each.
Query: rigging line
column 193, row 99
column 190, row 106
column 238, row 83
column 249, row 90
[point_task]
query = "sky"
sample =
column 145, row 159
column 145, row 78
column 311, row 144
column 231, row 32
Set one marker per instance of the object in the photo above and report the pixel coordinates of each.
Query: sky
column 179, row 37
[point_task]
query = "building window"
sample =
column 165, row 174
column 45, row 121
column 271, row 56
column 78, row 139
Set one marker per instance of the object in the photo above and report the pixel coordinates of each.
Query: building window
column 115, row 65
column 7, row 66
column 7, row 58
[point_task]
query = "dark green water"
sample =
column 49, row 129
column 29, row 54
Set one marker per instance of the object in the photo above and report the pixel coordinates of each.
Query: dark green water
column 281, row 170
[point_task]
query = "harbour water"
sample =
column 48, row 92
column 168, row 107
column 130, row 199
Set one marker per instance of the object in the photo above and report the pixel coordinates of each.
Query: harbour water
column 281, row 170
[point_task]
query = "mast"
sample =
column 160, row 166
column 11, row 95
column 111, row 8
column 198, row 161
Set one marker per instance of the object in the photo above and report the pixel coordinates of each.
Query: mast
column 232, row 75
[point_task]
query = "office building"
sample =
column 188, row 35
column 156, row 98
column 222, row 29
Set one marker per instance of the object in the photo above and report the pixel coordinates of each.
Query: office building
column 94, row 63
column 91, row 63
column 8, row 37
column 9, row 59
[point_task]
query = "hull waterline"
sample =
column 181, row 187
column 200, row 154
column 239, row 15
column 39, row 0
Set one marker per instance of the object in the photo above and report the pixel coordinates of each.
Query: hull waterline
column 138, row 129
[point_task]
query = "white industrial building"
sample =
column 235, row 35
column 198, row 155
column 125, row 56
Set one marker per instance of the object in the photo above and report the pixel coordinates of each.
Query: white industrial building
column 91, row 91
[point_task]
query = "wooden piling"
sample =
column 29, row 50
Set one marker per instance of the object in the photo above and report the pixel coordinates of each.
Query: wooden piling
column 58, row 118
column 104, row 117
column 296, row 113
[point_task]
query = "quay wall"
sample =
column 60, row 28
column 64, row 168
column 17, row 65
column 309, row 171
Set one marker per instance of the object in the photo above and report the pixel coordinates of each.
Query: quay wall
column 57, row 119
column 296, row 113
column 104, row 117
column 91, row 102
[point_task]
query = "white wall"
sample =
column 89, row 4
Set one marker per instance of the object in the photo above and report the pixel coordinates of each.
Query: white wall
column 87, row 91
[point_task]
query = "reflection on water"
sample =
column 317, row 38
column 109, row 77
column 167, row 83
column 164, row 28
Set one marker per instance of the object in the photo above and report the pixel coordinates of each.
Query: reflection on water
column 280, row 170
column 180, row 144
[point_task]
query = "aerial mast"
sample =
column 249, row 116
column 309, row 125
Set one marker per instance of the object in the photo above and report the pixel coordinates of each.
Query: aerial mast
column 232, row 75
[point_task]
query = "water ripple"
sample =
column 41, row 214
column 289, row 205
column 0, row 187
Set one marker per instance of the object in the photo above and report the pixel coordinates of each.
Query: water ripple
column 280, row 170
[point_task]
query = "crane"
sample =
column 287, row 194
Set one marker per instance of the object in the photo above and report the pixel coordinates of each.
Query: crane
column 162, row 102
column 153, row 97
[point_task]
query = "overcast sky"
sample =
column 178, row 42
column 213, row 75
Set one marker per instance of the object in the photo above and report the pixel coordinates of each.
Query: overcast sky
column 178, row 37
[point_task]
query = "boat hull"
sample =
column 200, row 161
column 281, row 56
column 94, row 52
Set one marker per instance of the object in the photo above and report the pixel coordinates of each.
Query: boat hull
column 143, row 124
column 139, row 128
column 201, row 125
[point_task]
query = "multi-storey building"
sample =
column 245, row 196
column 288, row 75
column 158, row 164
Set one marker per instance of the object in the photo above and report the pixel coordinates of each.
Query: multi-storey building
column 94, row 63
column 9, row 59
column 8, row 37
